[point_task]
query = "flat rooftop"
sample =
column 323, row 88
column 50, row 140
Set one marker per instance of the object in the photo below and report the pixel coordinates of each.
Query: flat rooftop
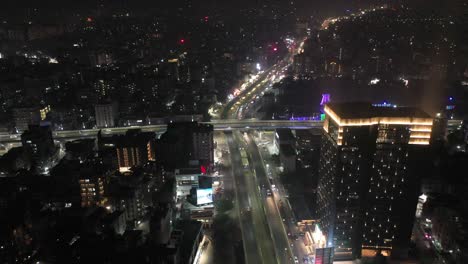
column 356, row 110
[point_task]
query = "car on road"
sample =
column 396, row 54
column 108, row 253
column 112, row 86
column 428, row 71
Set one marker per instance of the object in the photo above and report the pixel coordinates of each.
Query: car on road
column 246, row 210
column 271, row 182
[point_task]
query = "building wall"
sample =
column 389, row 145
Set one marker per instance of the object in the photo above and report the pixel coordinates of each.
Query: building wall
column 23, row 117
column 368, row 188
column 92, row 191
column 105, row 115
column 203, row 147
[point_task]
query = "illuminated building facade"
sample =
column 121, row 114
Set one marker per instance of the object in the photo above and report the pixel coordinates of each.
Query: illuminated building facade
column 186, row 144
column 25, row 116
column 134, row 148
column 39, row 146
column 368, row 182
column 203, row 145
column 44, row 111
column 105, row 115
column 92, row 191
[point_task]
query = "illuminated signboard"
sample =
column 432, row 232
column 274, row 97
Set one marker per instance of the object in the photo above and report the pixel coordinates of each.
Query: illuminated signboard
column 325, row 99
column 324, row 255
column 450, row 107
column 204, row 196
column 306, row 118
column 203, row 169
column 385, row 104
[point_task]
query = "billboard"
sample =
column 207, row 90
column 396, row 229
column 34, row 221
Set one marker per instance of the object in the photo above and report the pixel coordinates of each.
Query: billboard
column 204, row 196
column 324, row 255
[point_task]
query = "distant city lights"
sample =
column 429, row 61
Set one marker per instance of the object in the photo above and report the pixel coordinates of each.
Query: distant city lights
column 53, row 61
column 374, row 81
column 405, row 81
column 306, row 118
column 450, row 107
column 385, row 104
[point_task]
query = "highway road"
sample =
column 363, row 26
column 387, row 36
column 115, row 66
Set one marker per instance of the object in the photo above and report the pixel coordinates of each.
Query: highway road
column 261, row 214
column 275, row 221
column 229, row 114
column 237, row 106
column 281, row 197
column 229, row 124
column 257, row 245
column 233, row 109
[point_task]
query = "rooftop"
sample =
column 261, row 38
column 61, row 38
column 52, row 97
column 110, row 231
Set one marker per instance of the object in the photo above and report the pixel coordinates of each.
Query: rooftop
column 285, row 134
column 367, row 110
column 365, row 114
column 191, row 232
column 287, row 150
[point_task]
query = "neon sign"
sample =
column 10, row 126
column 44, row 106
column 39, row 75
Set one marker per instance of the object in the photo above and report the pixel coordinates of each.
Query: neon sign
column 325, row 99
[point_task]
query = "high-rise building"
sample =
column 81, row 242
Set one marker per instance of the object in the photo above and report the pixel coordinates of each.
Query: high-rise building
column 38, row 145
column 202, row 143
column 25, row 116
column 187, row 144
column 105, row 115
column 91, row 190
column 368, row 177
column 133, row 149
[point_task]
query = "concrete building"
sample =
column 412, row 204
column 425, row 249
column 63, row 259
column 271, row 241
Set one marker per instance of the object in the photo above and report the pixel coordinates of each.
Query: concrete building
column 116, row 221
column 105, row 114
column 39, row 146
column 369, row 179
column 287, row 156
column 92, row 190
column 161, row 224
column 187, row 144
column 308, row 147
column 284, row 136
column 25, row 116
column 184, row 242
column 128, row 200
column 186, row 179
column 132, row 149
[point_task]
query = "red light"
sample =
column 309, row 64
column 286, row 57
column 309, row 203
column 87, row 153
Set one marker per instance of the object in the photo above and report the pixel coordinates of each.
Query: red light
column 275, row 49
column 89, row 19
column 206, row 19
column 182, row 41
column 203, row 169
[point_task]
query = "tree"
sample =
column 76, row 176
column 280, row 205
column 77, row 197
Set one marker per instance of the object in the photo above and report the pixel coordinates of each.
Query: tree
column 224, row 205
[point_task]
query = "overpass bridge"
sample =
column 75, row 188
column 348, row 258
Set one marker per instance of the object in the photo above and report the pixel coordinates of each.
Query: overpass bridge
column 225, row 124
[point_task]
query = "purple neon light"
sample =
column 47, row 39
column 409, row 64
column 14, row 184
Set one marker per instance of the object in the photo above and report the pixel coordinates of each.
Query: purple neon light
column 325, row 99
column 305, row 118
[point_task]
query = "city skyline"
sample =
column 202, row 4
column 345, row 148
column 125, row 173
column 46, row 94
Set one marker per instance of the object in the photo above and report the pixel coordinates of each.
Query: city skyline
column 257, row 132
